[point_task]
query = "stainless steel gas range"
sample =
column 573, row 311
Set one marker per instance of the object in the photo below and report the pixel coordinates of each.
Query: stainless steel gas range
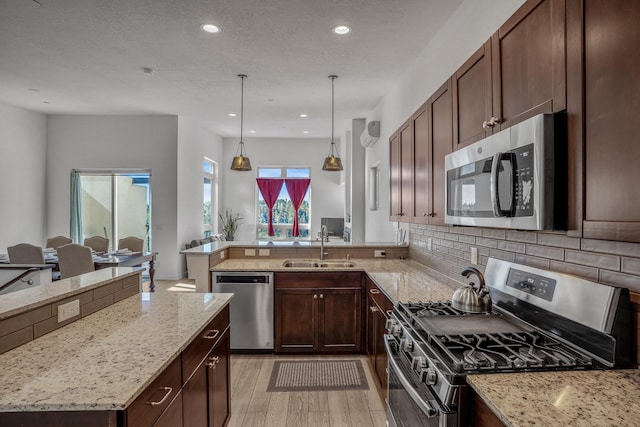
column 539, row 321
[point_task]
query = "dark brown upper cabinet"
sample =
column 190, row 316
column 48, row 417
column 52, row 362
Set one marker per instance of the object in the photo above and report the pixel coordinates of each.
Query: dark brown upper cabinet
column 528, row 63
column 472, row 98
column 603, row 77
column 401, row 173
column 518, row 73
column 432, row 138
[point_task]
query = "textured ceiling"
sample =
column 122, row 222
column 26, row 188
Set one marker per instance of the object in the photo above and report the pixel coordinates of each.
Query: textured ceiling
column 85, row 57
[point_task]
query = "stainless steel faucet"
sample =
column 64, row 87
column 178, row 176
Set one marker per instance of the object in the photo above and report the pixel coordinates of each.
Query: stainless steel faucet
column 323, row 232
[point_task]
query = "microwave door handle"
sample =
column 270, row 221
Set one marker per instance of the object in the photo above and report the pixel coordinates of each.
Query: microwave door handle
column 424, row 405
column 495, row 198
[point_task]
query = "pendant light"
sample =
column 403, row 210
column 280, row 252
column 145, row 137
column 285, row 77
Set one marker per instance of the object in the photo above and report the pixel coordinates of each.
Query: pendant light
column 332, row 163
column 240, row 161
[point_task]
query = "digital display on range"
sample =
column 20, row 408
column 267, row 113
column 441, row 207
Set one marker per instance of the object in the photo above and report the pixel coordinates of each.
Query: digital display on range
column 539, row 286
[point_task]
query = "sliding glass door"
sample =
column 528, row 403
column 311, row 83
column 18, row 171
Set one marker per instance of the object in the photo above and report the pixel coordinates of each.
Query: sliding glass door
column 112, row 204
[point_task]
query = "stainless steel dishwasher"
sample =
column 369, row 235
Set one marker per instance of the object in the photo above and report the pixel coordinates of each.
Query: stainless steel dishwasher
column 251, row 308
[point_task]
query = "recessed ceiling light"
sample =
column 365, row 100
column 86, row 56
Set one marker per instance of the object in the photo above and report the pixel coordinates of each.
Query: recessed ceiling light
column 148, row 70
column 306, row 131
column 32, row 89
column 210, row 28
column 232, row 114
column 252, row 131
column 342, row 29
column 303, row 115
column 46, row 102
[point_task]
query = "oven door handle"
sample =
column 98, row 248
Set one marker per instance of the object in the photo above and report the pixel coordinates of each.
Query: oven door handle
column 424, row 405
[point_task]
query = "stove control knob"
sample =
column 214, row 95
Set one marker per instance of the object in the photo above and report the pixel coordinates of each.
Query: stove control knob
column 406, row 344
column 428, row 376
column 390, row 324
column 418, row 364
column 396, row 330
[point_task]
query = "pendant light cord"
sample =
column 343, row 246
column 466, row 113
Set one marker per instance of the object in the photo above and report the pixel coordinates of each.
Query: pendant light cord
column 242, row 77
column 332, row 77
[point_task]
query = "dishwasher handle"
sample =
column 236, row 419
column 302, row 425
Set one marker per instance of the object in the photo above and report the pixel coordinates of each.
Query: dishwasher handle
column 248, row 279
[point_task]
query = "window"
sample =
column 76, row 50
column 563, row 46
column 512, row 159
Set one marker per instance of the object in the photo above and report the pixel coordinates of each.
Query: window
column 113, row 204
column 209, row 198
column 283, row 211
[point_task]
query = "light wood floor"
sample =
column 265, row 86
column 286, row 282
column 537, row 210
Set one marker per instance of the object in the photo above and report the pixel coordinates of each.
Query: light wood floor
column 253, row 406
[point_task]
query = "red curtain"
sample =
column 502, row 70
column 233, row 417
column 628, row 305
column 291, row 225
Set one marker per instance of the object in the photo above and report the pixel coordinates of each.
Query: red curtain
column 297, row 188
column 270, row 189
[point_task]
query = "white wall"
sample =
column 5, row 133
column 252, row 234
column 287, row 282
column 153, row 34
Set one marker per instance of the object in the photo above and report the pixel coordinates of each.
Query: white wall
column 23, row 142
column 239, row 188
column 468, row 28
column 117, row 142
column 195, row 142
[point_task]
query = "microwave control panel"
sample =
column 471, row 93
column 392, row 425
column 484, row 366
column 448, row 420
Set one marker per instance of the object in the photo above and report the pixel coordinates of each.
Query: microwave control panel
column 523, row 182
column 533, row 284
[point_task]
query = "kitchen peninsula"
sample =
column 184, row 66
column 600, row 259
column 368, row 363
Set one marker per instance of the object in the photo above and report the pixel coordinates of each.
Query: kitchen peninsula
column 122, row 365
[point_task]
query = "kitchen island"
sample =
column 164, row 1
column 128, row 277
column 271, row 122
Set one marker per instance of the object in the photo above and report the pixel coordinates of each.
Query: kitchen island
column 100, row 364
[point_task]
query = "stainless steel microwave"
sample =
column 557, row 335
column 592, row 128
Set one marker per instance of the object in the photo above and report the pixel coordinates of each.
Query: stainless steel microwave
column 515, row 178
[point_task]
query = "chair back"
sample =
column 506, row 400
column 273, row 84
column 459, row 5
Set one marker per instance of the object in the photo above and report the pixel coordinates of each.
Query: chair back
column 97, row 243
column 74, row 259
column 134, row 244
column 56, row 241
column 25, row 253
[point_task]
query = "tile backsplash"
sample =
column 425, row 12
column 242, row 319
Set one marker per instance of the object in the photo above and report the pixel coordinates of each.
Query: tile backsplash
column 616, row 263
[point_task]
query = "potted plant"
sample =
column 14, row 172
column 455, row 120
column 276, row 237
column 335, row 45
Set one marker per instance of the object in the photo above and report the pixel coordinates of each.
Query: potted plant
column 229, row 223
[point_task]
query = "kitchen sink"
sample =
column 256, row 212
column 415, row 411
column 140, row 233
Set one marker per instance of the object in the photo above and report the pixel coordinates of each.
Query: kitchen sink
column 317, row 264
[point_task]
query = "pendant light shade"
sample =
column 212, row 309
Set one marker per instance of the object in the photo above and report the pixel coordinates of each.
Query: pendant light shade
column 332, row 163
column 240, row 161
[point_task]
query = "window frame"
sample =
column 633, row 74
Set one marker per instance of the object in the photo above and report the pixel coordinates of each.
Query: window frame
column 210, row 228
column 282, row 227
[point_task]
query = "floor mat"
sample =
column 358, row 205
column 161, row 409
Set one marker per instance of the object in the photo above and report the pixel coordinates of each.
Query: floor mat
column 317, row 375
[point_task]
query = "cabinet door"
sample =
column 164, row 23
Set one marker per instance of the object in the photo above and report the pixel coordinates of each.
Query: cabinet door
column 441, row 142
column 611, row 131
column 218, row 382
column 472, row 98
column 339, row 320
column 421, row 166
column 172, row 416
column 296, row 320
column 395, row 169
column 380, row 351
column 194, row 395
column 528, row 54
column 406, row 171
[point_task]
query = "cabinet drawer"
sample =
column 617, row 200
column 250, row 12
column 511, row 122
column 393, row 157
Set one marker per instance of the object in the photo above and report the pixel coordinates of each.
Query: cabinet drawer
column 381, row 300
column 333, row 279
column 148, row 407
column 202, row 344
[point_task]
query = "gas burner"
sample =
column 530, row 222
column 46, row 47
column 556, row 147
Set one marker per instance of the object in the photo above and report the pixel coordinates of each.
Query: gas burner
column 529, row 350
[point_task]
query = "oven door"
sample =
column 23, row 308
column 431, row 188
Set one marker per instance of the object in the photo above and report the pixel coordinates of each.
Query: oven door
column 410, row 403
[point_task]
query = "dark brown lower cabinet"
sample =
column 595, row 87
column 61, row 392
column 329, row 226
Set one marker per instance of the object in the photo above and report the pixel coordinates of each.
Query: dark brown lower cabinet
column 483, row 416
column 378, row 307
column 194, row 399
column 312, row 318
column 172, row 416
column 218, row 382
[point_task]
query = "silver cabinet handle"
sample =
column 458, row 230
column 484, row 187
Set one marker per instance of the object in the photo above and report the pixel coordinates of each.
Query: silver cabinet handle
column 374, row 291
column 389, row 313
column 315, row 296
column 210, row 336
column 213, row 362
column 321, row 296
column 168, row 392
column 373, row 308
column 491, row 122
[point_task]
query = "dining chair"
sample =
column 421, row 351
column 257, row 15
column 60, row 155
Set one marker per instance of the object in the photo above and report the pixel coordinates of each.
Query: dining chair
column 55, row 242
column 74, row 260
column 25, row 253
column 97, row 243
column 134, row 244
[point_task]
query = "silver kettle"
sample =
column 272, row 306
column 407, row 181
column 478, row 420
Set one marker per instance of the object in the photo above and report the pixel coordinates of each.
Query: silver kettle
column 470, row 299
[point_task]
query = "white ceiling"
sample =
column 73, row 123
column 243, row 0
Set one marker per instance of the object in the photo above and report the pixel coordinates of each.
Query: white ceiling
column 85, row 57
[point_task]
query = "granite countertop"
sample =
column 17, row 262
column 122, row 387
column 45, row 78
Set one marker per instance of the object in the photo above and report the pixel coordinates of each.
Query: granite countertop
column 212, row 247
column 400, row 280
column 104, row 361
column 576, row 398
column 27, row 299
